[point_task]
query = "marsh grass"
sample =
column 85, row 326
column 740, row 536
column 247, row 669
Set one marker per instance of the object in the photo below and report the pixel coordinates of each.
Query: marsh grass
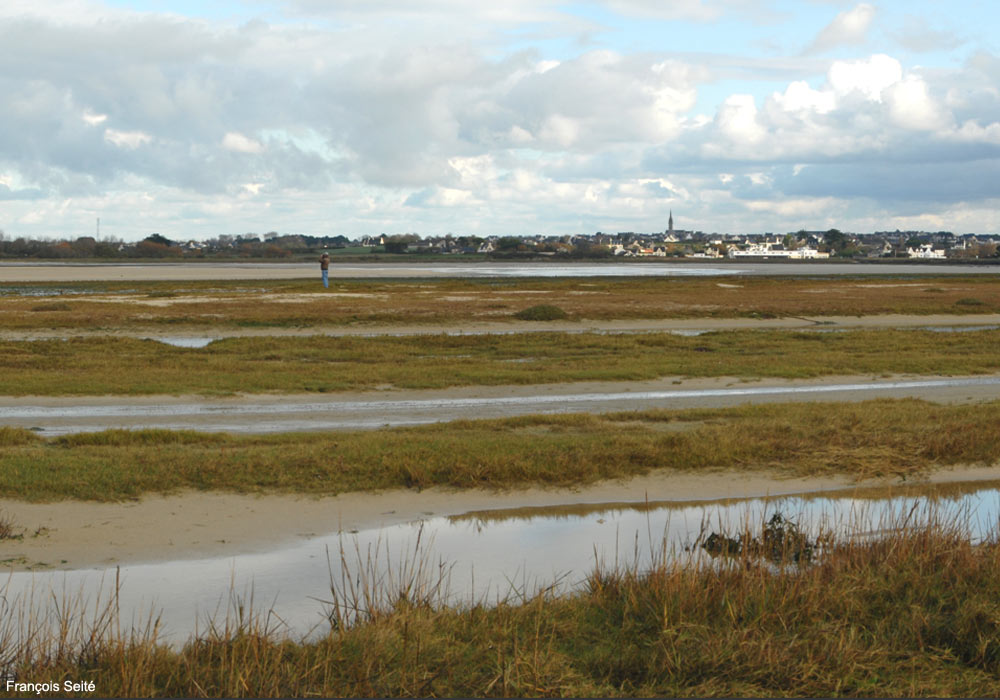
column 881, row 438
column 362, row 302
column 911, row 613
column 97, row 366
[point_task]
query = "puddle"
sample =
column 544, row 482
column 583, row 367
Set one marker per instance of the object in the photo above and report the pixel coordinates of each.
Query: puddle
column 689, row 333
column 957, row 329
column 486, row 556
column 184, row 342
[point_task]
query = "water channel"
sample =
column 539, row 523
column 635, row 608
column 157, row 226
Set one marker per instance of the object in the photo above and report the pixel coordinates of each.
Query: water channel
column 480, row 556
column 267, row 414
column 14, row 272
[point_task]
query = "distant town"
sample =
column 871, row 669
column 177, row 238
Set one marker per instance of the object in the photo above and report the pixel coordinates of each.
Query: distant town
column 670, row 243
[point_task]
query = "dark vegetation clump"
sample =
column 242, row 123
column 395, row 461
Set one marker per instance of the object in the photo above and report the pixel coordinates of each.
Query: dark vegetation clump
column 541, row 312
column 780, row 541
column 7, row 528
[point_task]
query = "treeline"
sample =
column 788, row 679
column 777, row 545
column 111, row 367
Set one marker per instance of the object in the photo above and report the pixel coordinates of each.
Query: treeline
column 159, row 246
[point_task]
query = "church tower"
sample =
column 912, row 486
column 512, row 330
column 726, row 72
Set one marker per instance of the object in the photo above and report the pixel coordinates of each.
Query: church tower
column 670, row 224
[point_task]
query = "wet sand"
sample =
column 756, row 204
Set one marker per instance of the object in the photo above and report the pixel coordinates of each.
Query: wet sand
column 73, row 535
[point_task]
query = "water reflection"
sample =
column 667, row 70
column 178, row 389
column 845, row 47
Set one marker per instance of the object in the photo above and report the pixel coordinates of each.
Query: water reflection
column 183, row 342
column 492, row 554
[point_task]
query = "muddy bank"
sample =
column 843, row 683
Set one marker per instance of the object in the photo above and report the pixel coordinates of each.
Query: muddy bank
column 73, row 535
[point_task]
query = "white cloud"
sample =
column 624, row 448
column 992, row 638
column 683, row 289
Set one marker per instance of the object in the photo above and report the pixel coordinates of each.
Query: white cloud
column 737, row 120
column 127, row 139
column 799, row 97
column 869, row 77
column 847, row 28
column 93, row 119
column 912, row 107
column 237, row 142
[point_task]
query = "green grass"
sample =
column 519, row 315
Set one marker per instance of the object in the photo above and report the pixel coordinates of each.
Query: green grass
column 914, row 614
column 96, row 366
column 870, row 439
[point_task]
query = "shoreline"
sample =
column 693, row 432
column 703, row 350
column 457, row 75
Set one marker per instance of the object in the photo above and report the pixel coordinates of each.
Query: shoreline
column 70, row 535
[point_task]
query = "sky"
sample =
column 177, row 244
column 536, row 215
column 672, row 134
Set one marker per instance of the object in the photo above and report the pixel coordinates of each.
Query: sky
column 196, row 119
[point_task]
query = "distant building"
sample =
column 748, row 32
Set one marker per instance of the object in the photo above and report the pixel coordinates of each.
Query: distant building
column 926, row 251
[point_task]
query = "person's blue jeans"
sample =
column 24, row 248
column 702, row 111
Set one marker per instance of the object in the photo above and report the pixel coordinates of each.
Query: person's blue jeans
column 326, row 278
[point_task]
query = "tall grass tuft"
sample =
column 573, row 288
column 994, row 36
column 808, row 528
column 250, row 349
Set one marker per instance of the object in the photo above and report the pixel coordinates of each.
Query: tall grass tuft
column 14, row 437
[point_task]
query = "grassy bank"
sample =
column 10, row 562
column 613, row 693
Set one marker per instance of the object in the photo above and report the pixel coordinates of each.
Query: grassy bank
column 302, row 304
column 914, row 614
column 874, row 438
column 96, row 366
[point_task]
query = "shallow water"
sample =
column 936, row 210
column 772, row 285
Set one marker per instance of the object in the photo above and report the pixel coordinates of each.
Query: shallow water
column 54, row 272
column 484, row 556
column 183, row 342
column 331, row 414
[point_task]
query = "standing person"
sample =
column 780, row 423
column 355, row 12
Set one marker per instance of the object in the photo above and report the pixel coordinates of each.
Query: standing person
column 324, row 266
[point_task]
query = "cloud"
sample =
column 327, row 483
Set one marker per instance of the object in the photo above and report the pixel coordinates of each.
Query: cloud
column 237, row 142
column 849, row 28
column 664, row 9
column 869, row 76
column 912, row 107
column 450, row 115
column 917, row 35
column 127, row 139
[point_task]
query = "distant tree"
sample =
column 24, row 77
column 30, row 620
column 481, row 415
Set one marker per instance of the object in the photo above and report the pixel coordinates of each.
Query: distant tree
column 399, row 244
column 158, row 239
column 508, row 243
column 84, row 246
column 835, row 240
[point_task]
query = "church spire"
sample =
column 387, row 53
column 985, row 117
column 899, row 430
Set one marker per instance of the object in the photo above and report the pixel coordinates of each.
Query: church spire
column 670, row 223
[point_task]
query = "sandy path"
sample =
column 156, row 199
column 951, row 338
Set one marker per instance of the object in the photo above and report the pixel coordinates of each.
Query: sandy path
column 193, row 525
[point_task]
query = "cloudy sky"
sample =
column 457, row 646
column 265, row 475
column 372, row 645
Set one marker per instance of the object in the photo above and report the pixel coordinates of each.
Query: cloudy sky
column 194, row 119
